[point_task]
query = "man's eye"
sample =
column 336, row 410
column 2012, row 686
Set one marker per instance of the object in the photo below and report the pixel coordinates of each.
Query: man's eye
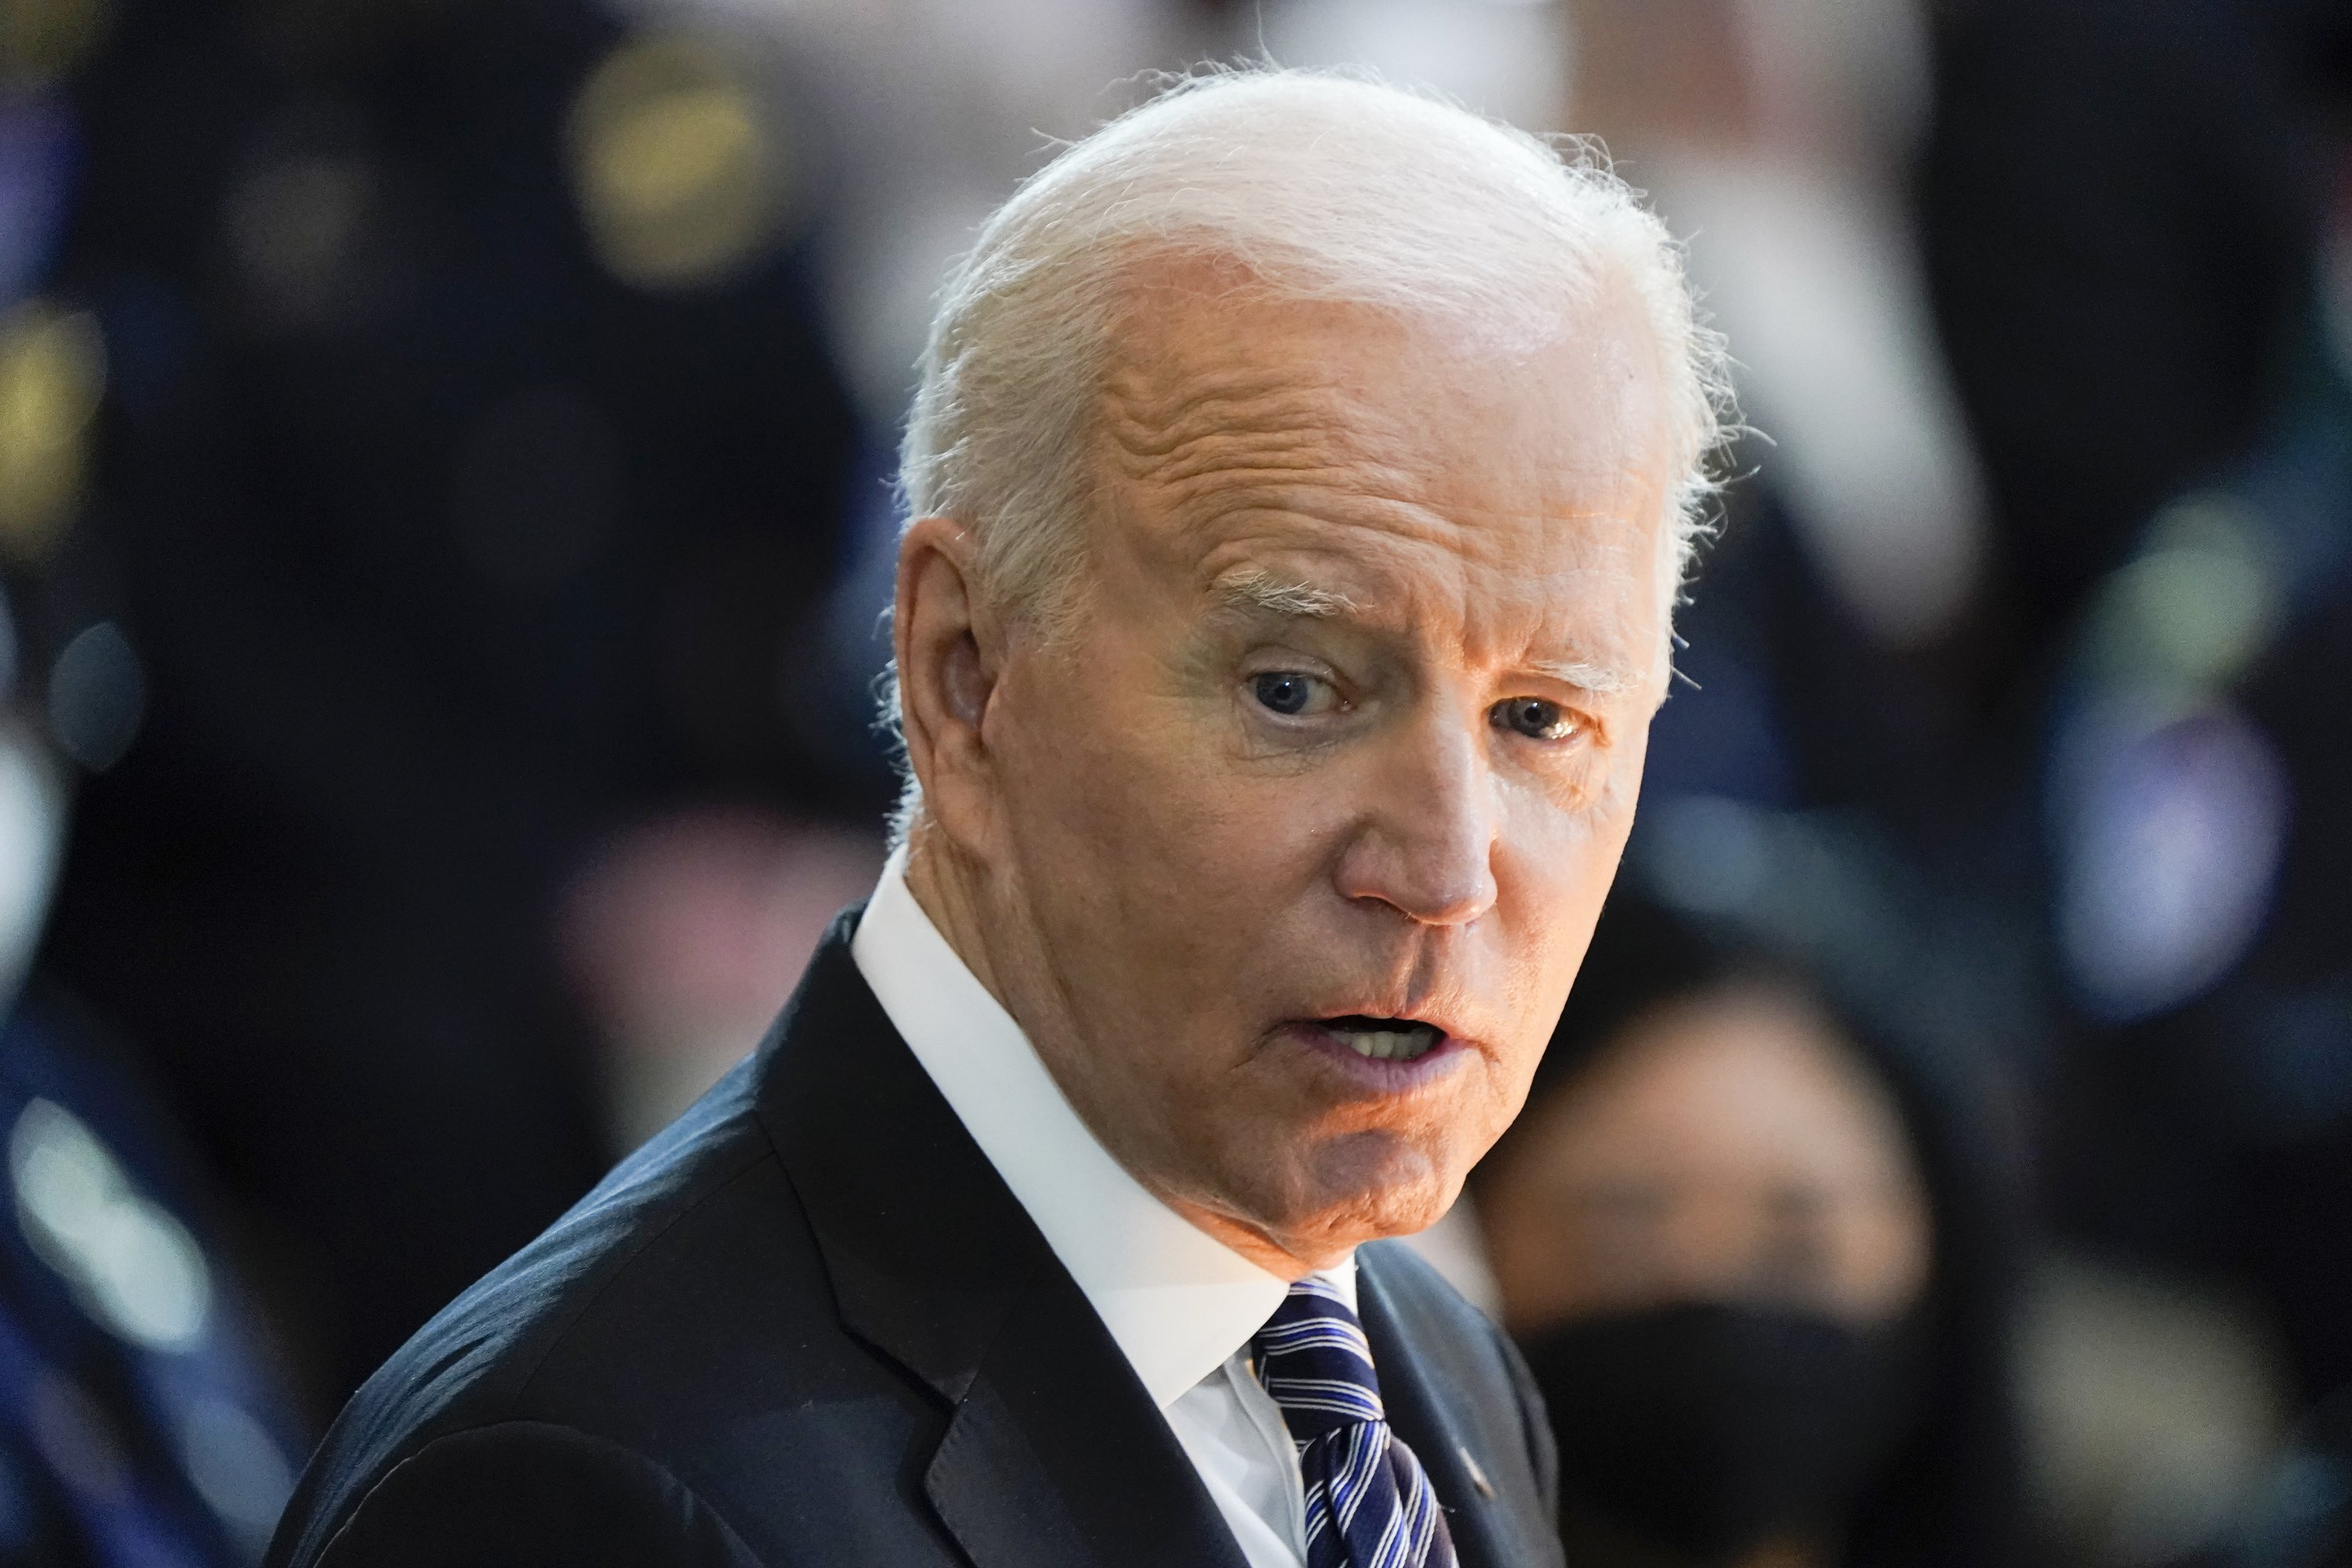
column 1291, row 694
column 1534, row 718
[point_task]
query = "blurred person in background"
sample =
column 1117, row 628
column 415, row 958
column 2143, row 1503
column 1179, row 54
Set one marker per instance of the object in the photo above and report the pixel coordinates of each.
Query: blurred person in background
column 146, row 1416
column 2166, row 407
column 2136, row 218
column 1761, row 1264
column 467, row 459
column 1776, row 135
column 2014, row 671
column 146, row 1419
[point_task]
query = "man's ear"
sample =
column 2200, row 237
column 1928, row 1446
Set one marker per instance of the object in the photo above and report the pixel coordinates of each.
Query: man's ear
column 949, row 650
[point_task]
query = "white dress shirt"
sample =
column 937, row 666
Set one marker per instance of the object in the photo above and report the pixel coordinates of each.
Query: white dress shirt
column 1181, row 1305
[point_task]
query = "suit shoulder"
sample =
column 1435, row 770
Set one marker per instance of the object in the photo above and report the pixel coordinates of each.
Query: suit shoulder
column 670, row 1232
column 521, row 1494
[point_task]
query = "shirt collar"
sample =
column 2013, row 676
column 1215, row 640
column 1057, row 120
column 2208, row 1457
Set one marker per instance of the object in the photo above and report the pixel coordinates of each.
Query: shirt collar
column 1178, row 1301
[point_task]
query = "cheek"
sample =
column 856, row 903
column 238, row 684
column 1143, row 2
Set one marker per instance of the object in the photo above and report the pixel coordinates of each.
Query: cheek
column 1552, row 877
column 1554, row 866
column 1136, row 828
column 1616, row 778
column 1130, row 747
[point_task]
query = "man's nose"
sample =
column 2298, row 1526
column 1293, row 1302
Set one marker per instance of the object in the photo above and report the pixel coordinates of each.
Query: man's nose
column 1425, row 843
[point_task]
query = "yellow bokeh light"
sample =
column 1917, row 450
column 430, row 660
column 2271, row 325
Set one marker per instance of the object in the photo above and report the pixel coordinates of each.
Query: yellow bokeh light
column 52, row 374
column 680, row 177
column 43, row 39
column 2197, row 605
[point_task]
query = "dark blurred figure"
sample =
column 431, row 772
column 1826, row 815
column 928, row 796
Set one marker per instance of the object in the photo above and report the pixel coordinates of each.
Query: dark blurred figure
column 1761, row 1262
column 2118, row 217
column 144, row 1416
column 143, row 1421
column 467, row 459
column 2137, row 219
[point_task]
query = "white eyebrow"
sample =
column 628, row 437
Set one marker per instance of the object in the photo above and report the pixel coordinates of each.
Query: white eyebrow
column 1258, row 589
column 1592, row 678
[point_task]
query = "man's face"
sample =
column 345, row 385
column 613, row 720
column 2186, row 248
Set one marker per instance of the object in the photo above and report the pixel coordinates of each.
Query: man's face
column 1302, row 830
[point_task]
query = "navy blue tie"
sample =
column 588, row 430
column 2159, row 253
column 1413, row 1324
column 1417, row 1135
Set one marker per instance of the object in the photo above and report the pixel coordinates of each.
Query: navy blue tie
column 1369, row 1503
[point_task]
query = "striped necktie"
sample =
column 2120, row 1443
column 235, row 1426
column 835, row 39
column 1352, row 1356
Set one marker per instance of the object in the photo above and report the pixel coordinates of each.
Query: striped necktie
column 1369, row 1503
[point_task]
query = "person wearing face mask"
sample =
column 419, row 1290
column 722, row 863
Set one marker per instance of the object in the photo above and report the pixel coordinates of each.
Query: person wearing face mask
column 1759, row 1263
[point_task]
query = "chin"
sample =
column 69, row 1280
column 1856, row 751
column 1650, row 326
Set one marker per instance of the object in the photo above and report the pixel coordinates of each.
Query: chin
column 1375, row 1184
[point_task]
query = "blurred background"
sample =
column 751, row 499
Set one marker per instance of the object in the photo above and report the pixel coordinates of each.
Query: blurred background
column 445, row 517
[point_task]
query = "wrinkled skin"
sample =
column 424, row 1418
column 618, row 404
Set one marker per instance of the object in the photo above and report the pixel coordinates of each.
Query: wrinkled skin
column 1348, row 720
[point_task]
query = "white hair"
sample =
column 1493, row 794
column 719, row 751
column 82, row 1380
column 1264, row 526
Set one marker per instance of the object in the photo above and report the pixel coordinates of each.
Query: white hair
column 1309, row 185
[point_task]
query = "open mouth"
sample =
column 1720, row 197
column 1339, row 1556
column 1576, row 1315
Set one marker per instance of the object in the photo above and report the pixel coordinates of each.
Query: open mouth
column 1384, row 1039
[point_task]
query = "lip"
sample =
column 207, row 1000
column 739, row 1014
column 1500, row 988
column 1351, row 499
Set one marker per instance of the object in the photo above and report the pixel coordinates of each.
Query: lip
column 1373, row 1074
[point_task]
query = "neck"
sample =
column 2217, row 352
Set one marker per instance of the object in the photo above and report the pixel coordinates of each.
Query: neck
column 952, row 889
column 946, row 886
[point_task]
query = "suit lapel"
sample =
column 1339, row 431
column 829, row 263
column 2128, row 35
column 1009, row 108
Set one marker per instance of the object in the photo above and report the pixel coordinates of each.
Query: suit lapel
column 1448, row 1435
column 1054, row 1456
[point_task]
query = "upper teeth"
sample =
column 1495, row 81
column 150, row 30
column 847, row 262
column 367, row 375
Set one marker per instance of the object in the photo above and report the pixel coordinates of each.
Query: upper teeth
column 1389, row 1045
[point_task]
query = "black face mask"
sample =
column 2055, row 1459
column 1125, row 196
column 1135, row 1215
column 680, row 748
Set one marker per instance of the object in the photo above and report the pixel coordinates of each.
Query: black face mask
column 1711, row 1429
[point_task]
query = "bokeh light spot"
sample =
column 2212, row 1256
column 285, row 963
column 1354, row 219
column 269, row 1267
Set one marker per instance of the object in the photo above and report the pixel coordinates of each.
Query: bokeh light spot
column 52, row 376
column 296, row 227
column 1710, row 854
column 98, row 695
column 40, row 40
column 32, row 823
column 133, row 1268
column 2170, row 853
column 236, row 1468
column 679, row 177
column 2197, row 605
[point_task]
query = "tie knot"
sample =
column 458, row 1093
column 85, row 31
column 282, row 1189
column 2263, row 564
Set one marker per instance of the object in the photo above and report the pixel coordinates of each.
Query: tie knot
column 1314, row 1360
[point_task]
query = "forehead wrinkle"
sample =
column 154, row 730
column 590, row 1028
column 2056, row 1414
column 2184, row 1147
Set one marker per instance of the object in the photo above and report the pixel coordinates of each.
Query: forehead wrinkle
column 1237, row 421
column 1238, row 463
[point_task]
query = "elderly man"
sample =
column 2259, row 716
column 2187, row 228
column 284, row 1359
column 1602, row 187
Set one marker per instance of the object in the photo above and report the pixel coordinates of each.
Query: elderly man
column 1301, row 477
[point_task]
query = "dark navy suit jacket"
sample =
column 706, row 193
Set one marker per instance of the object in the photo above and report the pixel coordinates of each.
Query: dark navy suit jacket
column 809, row 1324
